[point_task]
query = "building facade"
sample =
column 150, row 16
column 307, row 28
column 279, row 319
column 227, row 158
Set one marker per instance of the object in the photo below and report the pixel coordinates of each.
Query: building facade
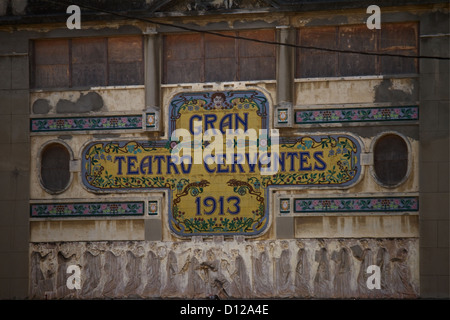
column 122, row 173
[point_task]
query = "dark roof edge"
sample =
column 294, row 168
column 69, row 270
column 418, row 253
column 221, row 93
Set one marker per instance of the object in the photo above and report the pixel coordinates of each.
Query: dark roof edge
column 34, row 14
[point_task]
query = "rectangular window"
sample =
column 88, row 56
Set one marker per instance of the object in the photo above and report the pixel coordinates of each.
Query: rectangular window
column 362, row 39
column 87, row 62
column 392, row 38
column 89, row 65
column 220, row 58
column 125, row 61
column 183, row 58
column 399, row 38
column 51, row 63
column 317, row 63
column 207, row 58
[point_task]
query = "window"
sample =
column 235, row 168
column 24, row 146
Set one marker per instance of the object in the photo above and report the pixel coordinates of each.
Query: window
column 86, row 62
column 51, row 64
column 392, row 38
column 55, row 167
column 390, row 159
column 198, row 57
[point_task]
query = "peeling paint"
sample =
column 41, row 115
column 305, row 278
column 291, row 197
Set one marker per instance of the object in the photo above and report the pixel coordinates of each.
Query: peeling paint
column 335, row 19
column 395, row 90
column 85, row 103
column 41, row 106
column 115, row 99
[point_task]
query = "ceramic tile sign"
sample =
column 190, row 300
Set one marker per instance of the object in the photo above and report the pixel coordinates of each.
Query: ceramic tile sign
column 226, row 192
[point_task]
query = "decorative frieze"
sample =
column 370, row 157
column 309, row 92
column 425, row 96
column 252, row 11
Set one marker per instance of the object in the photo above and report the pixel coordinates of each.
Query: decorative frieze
column 349, row 115
column 367, row 204
column 131, row 208
column 300, row 268
column 63, row 124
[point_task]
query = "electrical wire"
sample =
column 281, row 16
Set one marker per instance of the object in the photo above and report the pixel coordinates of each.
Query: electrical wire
column 236, row 37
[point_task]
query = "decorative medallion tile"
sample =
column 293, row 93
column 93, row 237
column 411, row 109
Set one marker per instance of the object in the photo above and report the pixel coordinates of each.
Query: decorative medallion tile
column 282, row 115
column 153, row 207
column 151, row 120
column 285, row 205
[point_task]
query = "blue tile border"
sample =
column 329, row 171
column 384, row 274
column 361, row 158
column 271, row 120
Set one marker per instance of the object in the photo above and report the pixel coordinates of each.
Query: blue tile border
column 367, row 114
column 131, row 208
column 368, row 204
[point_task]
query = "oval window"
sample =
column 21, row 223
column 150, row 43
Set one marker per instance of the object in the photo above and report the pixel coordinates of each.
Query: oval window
column 391, row 159
column 55, row 167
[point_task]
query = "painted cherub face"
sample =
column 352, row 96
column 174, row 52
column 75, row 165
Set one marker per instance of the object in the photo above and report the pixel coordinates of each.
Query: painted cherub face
column 218, row 101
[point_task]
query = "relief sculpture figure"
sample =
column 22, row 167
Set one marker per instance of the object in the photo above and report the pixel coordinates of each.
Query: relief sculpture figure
column 64, row 258
column 401, row 275
column 153, row 268
column 302, row 273
column 240, row 282
column 343, row 272
column 284, row 271
column 216, row 282
column 365, row 255
column 384, row 263
column 39, row 283
column 171, row 289
column 195, row 286
column 133, row 271
column 322, row 277
column 262, row 284
column 92, row 269
column 113, row 273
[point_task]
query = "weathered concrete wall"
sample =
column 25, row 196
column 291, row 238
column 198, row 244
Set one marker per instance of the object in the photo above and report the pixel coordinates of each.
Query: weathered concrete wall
column 357, row 227
column 14, row 170
column 98, row 100
column 87, row 230
column 434, row 156
column 356, row 90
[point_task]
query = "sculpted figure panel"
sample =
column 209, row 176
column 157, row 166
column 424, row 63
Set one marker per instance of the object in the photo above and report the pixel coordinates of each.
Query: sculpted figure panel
column 302, row 272
column 302, row 268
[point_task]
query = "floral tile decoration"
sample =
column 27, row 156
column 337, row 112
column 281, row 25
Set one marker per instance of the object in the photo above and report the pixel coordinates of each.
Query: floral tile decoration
column 386, row 204
column 87, row 209
column 86, row 123
column 340, row 115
